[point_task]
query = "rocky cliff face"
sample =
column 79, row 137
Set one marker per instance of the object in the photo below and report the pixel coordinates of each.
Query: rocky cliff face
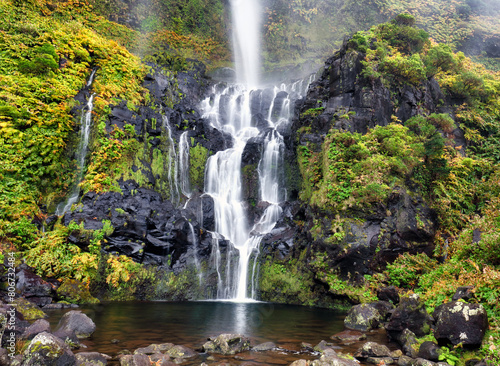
column 329, row 241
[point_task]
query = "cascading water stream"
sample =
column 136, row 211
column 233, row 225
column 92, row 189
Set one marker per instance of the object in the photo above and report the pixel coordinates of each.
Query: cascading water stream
column 240, row 110
column 184, row 164
column 81, row 152
column 248, row 114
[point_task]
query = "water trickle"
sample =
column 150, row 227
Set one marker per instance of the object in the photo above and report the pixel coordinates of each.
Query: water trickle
column 81, row 152
column 172, row 173
column 184, row 164
column 194, row 242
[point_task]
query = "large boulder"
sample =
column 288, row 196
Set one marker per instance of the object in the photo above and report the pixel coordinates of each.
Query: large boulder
column 459, row 322
column 33, row 287
column 77, row 322
column 48, row 350
column 227, row 344
column 410, row 314
column 363, row 317
column 40, row 326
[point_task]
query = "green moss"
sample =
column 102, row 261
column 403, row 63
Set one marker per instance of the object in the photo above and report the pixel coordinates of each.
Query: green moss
column 250, row 183
column 29, row 310
column 284, row 282
column 198, row 156
column 75, row 292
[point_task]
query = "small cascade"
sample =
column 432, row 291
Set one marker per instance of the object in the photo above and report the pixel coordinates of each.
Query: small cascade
column 81, row 152
column 173, row 180
column 194, row 241
column 184, row 164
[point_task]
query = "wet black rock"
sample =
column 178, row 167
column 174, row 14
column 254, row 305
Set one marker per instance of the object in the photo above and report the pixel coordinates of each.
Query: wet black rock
column 389, row 294
column 460, row 323
column 429, row 351
column 409, row 314
column 363, row 317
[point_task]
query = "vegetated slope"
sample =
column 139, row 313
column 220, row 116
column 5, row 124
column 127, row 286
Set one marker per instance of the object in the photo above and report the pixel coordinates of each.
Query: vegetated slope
column 47, row 56
column 48, row 52
column 299, row 30
column 397, row 145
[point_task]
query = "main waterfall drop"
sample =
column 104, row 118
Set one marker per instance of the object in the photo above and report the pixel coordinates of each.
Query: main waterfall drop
column 241, row 110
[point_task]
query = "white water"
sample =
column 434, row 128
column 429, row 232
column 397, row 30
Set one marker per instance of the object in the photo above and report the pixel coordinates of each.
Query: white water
column 230, row 111
column 81, row 152
column 184, row 164
column 234, row 110
column 246, row 15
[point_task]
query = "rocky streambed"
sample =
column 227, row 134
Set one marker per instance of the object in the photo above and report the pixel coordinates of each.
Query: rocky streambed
column 385, row 332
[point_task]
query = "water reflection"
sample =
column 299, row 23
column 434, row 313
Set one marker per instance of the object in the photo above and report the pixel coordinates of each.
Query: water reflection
column 140, row 324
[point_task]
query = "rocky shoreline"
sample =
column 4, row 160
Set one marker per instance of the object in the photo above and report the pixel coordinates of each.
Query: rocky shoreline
column 403, row 319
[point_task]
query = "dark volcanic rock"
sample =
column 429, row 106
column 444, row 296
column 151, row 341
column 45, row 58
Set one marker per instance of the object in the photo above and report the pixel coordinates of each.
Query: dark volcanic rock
column 77, row 322
column 372, row 349
column 389, row 294
column 429, row 351
column 459, row 322
column 33, row 287
column 39, row 326
column 362, row 317
column 410, row 314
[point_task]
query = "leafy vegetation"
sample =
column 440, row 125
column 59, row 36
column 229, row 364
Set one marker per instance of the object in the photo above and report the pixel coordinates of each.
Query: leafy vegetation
column 352, row 174
column 303, row 29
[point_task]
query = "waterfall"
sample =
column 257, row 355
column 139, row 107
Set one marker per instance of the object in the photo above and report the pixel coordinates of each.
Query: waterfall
column 246, row 113
column 246, row 40
column 81, row 151
column 233, row 111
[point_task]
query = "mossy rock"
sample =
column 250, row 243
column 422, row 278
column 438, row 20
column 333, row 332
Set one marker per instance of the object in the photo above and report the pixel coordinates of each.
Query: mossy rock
column 75, row 292
column 29, row 310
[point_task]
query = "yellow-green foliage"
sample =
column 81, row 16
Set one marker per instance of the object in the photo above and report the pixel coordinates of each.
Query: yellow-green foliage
column 356, row 170
column 286, row 282
column 198, row 156
column 45, row 61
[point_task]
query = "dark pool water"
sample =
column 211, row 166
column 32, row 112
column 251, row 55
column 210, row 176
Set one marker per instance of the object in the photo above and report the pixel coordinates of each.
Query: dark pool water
column 139, row 324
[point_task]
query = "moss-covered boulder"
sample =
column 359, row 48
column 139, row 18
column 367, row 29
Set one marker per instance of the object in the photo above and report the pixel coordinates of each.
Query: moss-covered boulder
column 227, row 344
column 75, row 292
column 48, row 350
column 29, row 310
column 410, row 314
column 91, row 359
column 363, row 317
column 461, row 323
